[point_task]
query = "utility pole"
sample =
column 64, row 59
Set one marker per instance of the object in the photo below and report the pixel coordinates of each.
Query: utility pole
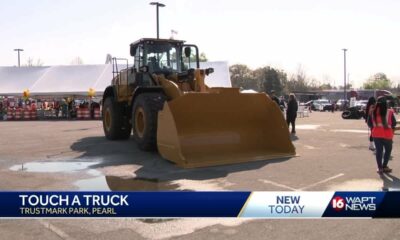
column 157, row 4
column 19, row 50
column 344, row 67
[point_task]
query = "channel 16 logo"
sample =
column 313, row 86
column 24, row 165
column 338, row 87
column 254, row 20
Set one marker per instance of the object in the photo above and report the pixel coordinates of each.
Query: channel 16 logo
column 338, row 203
column 354, row 203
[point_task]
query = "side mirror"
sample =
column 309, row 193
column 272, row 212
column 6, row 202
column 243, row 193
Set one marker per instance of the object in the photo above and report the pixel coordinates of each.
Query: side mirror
column 144, row 69
column 209, row 71
column 133, row 50
column 188, row 51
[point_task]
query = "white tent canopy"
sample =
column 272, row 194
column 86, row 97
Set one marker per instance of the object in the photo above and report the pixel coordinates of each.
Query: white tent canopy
column 220, row 77
column 78, row 79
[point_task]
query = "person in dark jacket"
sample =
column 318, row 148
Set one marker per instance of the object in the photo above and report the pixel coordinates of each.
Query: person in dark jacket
column 383, row 122
column 368, row 111
column 282, row 104
column 274, row 97
column 291, row 112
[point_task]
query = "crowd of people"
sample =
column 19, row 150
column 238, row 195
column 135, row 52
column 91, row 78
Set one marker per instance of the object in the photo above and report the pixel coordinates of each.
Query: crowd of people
column 379, row 116
column 65, row 108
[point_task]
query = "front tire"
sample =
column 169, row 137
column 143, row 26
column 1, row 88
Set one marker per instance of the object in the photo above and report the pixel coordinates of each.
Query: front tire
column 144, row 119
column 115, row 124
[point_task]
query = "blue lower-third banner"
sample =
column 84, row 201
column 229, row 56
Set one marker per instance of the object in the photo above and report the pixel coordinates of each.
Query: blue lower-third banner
column 175, row 204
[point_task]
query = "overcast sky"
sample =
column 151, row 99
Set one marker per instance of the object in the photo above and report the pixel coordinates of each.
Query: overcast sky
column 282, row 34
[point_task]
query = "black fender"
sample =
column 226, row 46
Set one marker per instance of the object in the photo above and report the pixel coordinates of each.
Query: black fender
column 109, row 92
column 140, row 90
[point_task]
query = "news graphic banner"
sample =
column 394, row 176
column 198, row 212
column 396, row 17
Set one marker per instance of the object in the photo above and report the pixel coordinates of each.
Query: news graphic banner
column 173, row 204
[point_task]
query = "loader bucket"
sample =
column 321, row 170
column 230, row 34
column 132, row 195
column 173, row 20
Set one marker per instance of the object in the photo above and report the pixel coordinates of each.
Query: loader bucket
column 222, row 126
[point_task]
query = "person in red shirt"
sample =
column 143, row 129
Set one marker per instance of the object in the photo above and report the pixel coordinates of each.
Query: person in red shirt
column 383, row 122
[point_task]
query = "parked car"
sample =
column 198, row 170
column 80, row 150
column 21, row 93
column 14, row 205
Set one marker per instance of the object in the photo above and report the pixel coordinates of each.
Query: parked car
column 322, row 105
column 341, row 103
column 308, row 104
column 362, row 104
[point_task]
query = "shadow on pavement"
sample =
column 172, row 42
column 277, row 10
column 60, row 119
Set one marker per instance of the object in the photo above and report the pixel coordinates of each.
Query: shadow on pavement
column 152, row 165
column 390, row 182
column 294, row 137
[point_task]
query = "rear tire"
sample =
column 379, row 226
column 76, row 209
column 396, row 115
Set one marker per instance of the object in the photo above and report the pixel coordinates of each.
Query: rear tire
column 144, row 119
column 115, row 125
column 346, row 114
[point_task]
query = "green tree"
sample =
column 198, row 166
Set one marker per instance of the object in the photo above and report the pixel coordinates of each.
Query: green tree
column 326, row 86
column 396, row 90
column 348, row 86
column 203, row 57
column 298, row 81
column 243, row 77
column 270, row 79
column 378, row 81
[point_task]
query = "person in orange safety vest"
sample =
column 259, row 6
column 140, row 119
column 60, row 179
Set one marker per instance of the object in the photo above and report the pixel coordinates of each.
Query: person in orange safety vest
column 382, row 121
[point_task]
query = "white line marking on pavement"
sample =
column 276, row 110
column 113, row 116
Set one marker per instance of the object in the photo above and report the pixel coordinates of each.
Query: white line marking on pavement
column 277, row 184
column 310, row 147
column 320, row 182
column 348, row 130
column 55, row 230
column 307, row 127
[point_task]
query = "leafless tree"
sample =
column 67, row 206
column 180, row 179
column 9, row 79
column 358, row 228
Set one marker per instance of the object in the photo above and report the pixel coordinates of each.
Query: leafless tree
column 32, row 63
column 77, row 61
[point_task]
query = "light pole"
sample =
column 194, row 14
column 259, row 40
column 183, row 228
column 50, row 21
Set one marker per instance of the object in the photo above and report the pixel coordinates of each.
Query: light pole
column 157, row 4
column 344, row 67
column 19, row 50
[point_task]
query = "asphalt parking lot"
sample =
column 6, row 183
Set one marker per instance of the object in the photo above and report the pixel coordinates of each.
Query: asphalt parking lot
column 74, row 155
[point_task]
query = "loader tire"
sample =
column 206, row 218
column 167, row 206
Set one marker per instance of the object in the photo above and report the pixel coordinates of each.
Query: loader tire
column 115, row 125
column 144, row 119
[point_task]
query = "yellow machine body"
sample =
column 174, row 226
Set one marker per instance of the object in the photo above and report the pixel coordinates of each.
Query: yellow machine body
column 171, row 109
column 222, row 126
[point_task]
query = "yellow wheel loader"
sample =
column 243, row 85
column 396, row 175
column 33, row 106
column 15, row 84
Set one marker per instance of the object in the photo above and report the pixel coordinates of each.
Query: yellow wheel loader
column 166, row 102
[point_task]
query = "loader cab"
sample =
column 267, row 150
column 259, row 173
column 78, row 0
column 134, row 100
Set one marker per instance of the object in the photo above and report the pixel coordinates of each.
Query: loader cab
column 163, row 56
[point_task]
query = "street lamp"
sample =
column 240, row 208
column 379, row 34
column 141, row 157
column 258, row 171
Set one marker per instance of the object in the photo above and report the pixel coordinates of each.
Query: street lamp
column 157, row 4
column 345, row 95
column 19, row 50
